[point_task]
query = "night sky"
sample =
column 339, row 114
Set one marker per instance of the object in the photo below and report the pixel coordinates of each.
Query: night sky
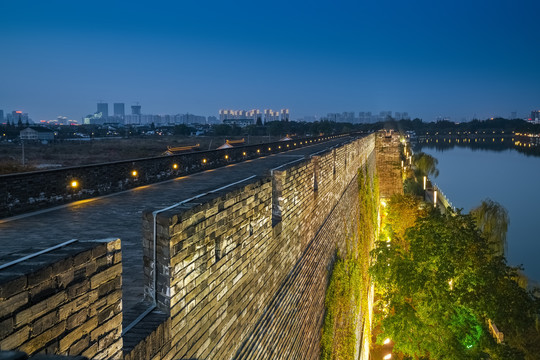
column 429, row 58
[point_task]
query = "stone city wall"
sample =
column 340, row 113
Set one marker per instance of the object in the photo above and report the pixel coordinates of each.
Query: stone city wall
column 25, row 192
column 66, row 301
column 243, row 273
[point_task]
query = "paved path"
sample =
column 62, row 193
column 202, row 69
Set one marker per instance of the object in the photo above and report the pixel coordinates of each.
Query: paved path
column 120, row 215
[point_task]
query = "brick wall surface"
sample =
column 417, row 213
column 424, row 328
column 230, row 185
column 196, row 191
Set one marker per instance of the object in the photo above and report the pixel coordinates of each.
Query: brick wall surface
column 66, row 301
column 24, row 192
column 389, row 164
column 243, row 273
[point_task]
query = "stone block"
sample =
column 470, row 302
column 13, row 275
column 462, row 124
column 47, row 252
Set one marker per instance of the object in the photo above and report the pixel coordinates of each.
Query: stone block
column 14, row 303
column 14, row 340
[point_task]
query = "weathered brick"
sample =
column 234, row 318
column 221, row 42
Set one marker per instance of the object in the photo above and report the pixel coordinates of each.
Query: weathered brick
column 39, row 342
column 105, row 275
column 14, row 340
column 12, row 287
column 13, row 304
column 28, row 315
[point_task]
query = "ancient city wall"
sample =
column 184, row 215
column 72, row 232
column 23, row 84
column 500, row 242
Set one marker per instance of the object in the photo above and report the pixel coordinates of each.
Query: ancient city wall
column 238, row 270
column 25, row 192
column 239, row 273
column 66, row 301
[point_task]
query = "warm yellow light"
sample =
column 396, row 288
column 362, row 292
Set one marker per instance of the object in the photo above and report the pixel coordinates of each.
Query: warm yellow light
column 279, row 147
column 383, row 203
column 258, row 150
column 175, row 166
column 244, row 153
column 204, row 161
column 386, row 341
column 287, row 145
column 425, row 181
column 269, row 149
column 387, row 356
column 74, row 184
column 226, row 157
column 134, row 173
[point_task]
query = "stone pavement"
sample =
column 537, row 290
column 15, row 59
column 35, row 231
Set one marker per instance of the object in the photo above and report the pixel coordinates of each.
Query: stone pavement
column 120, row 215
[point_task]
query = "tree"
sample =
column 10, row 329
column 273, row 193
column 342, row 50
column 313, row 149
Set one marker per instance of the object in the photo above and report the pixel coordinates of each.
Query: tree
column 402, row 213
column 426, row 164
column 492, row 220
column 437, row 296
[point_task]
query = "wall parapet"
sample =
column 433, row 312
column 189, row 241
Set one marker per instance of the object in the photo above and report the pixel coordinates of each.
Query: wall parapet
column 65, row 301
column 23, row 192
column 222, row 258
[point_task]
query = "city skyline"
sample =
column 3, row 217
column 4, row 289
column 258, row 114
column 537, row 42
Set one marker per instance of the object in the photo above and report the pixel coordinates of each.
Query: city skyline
column 432, row 60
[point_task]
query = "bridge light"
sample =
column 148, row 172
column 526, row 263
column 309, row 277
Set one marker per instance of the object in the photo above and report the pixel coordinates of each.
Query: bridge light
column 258, row 150
column 269, row 149
column 134, row 173
column 175, row 166
column 244, row 153
column 204, row 161
column 226, row 157
column 279, row 147
column 74, row 184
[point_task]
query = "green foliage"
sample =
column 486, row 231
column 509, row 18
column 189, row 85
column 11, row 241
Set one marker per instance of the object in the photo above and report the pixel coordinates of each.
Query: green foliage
column 437, row 296
column 426, row 165
column 342, row 306
column 348, row 289
column 492, row 220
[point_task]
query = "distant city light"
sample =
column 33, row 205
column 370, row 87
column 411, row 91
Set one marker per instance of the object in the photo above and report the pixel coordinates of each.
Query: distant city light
column 134, row 173
column 226, row 157
column 74, row 184
column 175, row 166
column 204, row 161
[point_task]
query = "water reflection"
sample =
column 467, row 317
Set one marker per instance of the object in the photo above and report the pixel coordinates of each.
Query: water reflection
column 524, row 143
column 474, row 169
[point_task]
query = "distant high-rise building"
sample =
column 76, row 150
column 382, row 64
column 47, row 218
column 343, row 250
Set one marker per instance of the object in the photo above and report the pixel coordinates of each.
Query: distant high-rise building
column 135, row 109
column 103, row 108
column 284, row 114
column 119, row 110
column 535, row 116
column 1, row 116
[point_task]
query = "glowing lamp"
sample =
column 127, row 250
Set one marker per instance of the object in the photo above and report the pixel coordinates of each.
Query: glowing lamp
column 387, row 356
column 74, row 184
column 204, row 161
column 134, row 173
column 269, row 149
column 258, row 150
column 386, row 341
column 175, row 166
column 244, row 153
column 226, row 157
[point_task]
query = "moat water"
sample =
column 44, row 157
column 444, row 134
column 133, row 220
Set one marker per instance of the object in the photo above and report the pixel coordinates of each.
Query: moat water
column 468, row 175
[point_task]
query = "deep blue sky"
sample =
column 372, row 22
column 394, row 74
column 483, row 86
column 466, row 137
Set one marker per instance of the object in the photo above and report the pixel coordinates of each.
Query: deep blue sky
column 430, row 58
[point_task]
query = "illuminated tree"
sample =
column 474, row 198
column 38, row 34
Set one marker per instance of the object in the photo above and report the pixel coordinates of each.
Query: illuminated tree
column 492, row 220
column 437, row 297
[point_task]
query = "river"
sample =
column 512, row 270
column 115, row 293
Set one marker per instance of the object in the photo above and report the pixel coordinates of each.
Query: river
column 468, row 175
